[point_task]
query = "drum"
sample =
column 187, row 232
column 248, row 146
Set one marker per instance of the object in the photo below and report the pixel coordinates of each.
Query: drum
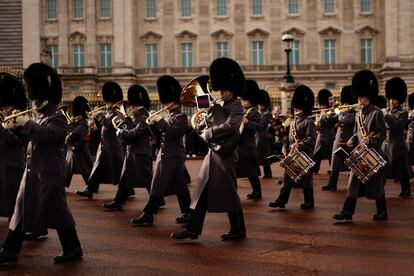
column 365, row 162
column 297, row 164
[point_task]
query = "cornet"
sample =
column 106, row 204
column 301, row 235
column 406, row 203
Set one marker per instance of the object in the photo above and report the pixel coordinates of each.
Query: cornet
column 94, row 112
column 64, row 110
column 8, row 121
column 162, row 112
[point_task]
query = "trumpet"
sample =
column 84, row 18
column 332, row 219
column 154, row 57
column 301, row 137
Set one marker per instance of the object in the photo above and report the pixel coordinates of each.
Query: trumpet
column 340, row 108
column 94, row 112
column 162, row 112
column 8, row 121
column 64, row 110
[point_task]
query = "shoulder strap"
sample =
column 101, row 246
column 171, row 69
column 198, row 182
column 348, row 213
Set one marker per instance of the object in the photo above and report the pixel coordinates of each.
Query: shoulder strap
column 294, row 130
column 361, row 125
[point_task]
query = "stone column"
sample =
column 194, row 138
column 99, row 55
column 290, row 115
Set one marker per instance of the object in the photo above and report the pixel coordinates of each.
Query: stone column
column 391, row 34
column 119, row 34
column 63, row 21
column 31, row 32
column 91, row 54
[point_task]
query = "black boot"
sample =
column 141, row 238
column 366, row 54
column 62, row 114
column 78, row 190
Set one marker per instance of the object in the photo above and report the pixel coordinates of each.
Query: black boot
column 184, row 218
column 145, row 219
column 333, row 180
column 86, row 193
column 237, row 227
column 184, row 234
column 30, row 236
column 257, row 188
column 405, row 188
column 112, row 206
column 308, row 198
column 283, row 198
column 70, row 245
column 347, row 211
column 382, row 213
column 7, row 257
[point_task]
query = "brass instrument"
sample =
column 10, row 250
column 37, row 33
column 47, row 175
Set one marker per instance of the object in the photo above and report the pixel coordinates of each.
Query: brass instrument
column 8, row 121
column 340, row 107
column 162, row 112
column 94, row 112
column 246, row 113
column 64, row 110
column 119, row 122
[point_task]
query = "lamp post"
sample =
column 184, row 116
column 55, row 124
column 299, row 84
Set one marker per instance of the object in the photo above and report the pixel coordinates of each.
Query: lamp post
column 288, row 83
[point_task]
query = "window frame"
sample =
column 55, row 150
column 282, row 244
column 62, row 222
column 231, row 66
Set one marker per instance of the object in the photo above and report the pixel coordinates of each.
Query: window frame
column 103, row 63
column 54, row 51
column 257, row 53
column 151, row 55
column 186, row 8
column 48, row 9
column 74, row 7
column 224, row 5
column 289, row 4
column 331, row 4
column 149, row 9
column 366, row 58
column 329, row 49
column 186, row 55
column 80, row 53
column 221, row 49
column 294, row 55
column 109, row 9
column 361, row 5
column 258, row 4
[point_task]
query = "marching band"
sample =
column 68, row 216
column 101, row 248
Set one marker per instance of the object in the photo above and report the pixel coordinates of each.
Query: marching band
column 43, row 147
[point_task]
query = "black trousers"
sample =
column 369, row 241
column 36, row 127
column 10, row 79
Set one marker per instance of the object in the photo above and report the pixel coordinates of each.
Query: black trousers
column 196, row 222
column 14, row 241
column 267, row 171
column 184, row 200
column 285, row 194
column 333, row 178
column 123, row 193
column 350, row 204
column 255, row 183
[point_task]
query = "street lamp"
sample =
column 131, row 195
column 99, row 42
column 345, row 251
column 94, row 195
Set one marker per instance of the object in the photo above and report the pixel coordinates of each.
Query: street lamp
column 289, row 82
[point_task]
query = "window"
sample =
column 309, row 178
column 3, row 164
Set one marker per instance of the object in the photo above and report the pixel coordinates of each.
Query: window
column 257, row 53
column 152, row 89
column 78, row 55
column 366, row 51
column 77, row 8
column 151, row 9
column 152, row 55
column 293, row 6
column 51, row 9
column 185, row 8
column 294, row 56
column 106, row 56
column 222, row 49
column 186, row 54
column 221, row 7
column 329, row 6
column 365, row 6
column 257, row 7
column 329, row 51
column 54, row 54
column 105, row 8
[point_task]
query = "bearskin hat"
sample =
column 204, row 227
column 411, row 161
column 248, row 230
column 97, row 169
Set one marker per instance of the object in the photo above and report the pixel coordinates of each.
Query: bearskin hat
column 12, row 92
column 43, row 83
column 323, row 97
column 346, row 95
column 80, row 106
column 264, row 98
column 303, row 98
column 112, row 92
column 411, row 101
column 251, row 93
column 169, row 89
column 380, row 102
column 226, row 74
column 396, row 89
column 365, row 84
column 137, row 95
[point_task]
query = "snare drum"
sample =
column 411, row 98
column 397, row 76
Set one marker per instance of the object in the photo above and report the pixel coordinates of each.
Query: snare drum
column 297, row 164
column 365, row 162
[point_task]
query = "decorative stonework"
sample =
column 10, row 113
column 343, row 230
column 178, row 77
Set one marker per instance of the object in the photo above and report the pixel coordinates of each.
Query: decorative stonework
column 221, row 33
column 150, row 36
column 257, row 32
column 295, row 31
column 77, row 37
column 186, row 34
column 367, row 30
column 330, row 31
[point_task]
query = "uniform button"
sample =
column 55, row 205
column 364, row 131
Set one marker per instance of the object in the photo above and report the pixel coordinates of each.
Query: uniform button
column 28, row 170
column 28, row 156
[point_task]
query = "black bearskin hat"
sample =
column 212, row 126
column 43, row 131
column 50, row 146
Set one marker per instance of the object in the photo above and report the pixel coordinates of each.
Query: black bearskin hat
column 323, row 97
column 112, row 92
column 346, row 95
column 169, row 89
column 137, row 95
column 251, row 93
column 304, row 99
column 396, row 89
column 43, row 83
column 264, row 98
column 226, row 74
column 380, row 102
column 365, row 84
column 12, row 92
column 411, row 101
column 80, row 106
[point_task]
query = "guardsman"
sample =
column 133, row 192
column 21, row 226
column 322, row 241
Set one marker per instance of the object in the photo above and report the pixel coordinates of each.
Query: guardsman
column 263, row 142
column 78, row 156
column 216, row 189
column 365, row 87
column 41, row 201
column 302, row 137
column 395, row 147
column 410, row 133
column 169, row 167
column 247, row 164
column 110, row 156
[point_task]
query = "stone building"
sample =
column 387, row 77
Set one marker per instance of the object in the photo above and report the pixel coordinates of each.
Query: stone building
column 136, row 41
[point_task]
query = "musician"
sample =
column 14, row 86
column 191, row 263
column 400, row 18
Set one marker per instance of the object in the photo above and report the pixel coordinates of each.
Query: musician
column 325, row 127
column 304, row 140
column 109, row 158
column 346, row 123
column 410, row 133
column 263, row 141
column 78, row 156
column 169, row 167
column 247, row 164
column 12, row 143
column 216, row 189
column 137, row 168
column 396, row 119
column 41, row 200
column 365, row 87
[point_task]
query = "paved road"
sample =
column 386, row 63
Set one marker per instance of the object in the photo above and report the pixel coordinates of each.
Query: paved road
column 292, row 242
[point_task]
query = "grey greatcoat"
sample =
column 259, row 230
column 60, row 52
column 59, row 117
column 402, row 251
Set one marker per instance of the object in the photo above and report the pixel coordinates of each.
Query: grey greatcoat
column 137, row 168
column 306, row 136
column 375, row 124
column 345, row 130
column 110, row 156
column 169, row 167
column 247, row 165
column 78, row 155
column 395, row 147
column 325, row 138
column 41, row 201
column 219, row 171
column 410, row 138
column 263, row 139
column 12, row 163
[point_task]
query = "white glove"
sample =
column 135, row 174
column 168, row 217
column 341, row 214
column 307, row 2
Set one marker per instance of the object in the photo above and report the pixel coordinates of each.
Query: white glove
column 157, row 118
column 203, row 135
column 384, row 111
column 22, row 120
